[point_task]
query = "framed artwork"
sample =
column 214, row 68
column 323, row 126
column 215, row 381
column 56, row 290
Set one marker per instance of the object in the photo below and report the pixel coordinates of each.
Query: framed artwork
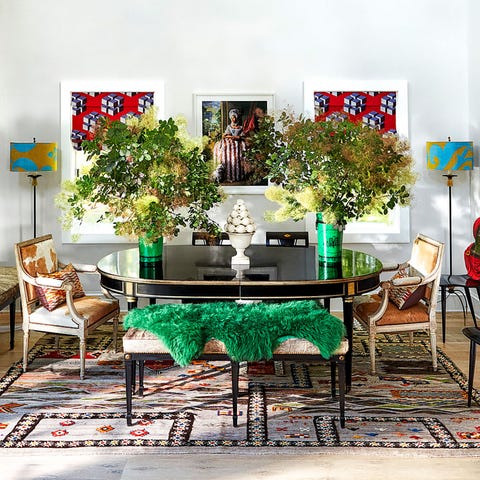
column 228, row 120
column 82, row 104
column 381, row 105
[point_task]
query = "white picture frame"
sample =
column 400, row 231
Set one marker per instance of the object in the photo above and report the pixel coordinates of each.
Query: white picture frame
column 96, row 232
column 244, row 101
column 397, row 227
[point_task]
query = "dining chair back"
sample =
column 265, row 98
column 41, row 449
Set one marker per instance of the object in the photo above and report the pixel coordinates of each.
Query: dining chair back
column 286, row 239
column 204, row 238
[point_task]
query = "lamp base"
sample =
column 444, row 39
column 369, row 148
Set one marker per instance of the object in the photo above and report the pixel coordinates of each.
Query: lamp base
column 34, row 177
column 450, row 177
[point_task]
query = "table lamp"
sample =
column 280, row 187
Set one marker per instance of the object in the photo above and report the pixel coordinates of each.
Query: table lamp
column 33, row 157
column 450, row 157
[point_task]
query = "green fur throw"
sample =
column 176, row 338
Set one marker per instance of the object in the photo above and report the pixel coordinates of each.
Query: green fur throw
column 250, row 331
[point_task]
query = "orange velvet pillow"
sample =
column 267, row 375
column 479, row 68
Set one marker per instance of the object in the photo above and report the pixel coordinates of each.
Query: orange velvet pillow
column 51, row 298
column 405, row 297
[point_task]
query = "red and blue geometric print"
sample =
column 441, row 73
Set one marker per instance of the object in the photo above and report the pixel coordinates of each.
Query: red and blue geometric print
column 374, row 109
column 88, row 107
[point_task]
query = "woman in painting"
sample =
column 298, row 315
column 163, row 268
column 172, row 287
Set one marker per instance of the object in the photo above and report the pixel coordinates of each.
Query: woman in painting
column 234, row 129
column 229, row 152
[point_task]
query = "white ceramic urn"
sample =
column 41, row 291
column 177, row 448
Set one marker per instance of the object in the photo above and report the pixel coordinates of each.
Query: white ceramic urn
column 240, row 242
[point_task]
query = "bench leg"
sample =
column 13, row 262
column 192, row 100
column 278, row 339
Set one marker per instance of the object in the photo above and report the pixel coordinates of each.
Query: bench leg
column 129, row 369
column 134, row 376
column 341, row 388
column 235, row 369
column 141, row 376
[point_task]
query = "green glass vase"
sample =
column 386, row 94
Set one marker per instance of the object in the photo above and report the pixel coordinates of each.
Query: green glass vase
column 151, row 270
column 329, row 271
column 330, row 240
column 150, row 252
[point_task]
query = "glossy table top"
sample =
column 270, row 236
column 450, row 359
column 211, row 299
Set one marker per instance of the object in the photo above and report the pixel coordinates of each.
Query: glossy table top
column 270, row 268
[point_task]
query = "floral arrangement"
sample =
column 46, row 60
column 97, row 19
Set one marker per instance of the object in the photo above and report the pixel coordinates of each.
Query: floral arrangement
column 147, row 176
column 340, row 169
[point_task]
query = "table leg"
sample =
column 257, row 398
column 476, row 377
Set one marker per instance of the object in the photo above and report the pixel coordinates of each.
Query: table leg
column 12, row 324
column 132, row 303
column 333, row 378
column 348, row 321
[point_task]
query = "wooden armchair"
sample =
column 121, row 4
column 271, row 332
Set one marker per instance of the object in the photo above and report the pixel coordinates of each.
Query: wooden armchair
column 53, row 299
column 407, row 302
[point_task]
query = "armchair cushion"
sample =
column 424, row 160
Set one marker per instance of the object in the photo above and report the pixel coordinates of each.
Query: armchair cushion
column 406, row 297
column 51, row 298
column 90, row 307
column 416, row 314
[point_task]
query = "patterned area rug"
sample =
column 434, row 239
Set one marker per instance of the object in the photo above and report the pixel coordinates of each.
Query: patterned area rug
column 282, row 404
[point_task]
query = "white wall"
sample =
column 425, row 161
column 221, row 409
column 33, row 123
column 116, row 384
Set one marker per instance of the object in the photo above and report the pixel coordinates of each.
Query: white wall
column 474, row 100
column 255, row 46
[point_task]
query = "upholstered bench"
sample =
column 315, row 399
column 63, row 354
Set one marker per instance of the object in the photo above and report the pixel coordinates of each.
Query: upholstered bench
column 140, row 345
column 9, row 292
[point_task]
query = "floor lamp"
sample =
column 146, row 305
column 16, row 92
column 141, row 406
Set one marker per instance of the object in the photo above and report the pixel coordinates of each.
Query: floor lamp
column 33, row 158
column 450, row 157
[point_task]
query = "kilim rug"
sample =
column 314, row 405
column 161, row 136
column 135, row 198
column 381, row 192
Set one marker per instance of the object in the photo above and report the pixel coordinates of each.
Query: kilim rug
column 406, row 405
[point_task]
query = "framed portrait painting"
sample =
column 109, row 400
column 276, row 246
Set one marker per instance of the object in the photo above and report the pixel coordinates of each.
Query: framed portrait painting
column 380, row 105
column 82, row 104
column 227, row 121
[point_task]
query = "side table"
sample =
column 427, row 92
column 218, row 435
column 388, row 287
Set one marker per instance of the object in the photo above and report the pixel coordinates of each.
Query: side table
column 9, row 292
column 449, row 283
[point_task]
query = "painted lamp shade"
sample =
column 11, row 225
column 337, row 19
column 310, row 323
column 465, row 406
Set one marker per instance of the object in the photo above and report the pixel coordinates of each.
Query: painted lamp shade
column 33, row 157
column 450, row 155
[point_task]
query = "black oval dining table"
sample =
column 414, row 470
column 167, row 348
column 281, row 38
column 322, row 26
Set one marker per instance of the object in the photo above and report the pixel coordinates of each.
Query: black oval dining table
column 205, row 273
